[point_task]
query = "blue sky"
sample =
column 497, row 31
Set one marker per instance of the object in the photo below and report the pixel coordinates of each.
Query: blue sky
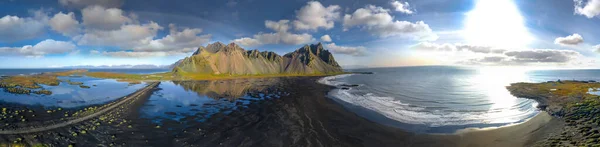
column 540, row 33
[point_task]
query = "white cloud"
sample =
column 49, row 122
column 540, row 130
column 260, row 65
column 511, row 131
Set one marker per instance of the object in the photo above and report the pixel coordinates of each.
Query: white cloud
column 98, row 17
column 47, row 46
column 85, row 3
column 401, row 7
column 14, row 28
column 379, row 22
column 127, row 37
column 279, row 26
column 543, row 56
column 183, row 41
column 326, row 38
column 246, row 41
column 596, row 48
column 94, row 52
column 65, row 23
column 281, row 36
column 446, row 47
column 138, row 39
column 574, row 39
column 348, row 50
column 484, row 55
column 128, row 54
column 590, row 9
column 314, row 15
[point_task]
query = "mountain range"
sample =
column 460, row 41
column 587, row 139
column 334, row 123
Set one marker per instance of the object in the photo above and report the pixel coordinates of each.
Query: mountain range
column 125, row 66
column 220, row 59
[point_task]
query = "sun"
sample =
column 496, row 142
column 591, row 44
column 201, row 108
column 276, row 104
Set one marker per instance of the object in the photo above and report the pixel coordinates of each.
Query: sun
column 496, row 23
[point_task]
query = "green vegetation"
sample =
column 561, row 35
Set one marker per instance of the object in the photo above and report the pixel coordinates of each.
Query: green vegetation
column 44, row 92
column 18, row 90
column 27, row 84
column 571, row 101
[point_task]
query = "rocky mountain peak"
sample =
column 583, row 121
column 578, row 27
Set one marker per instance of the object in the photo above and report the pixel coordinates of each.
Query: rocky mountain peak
column 226, row 59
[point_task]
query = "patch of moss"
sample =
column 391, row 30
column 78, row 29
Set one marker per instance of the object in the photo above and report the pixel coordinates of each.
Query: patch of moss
column 18, row 90
column 44, row 92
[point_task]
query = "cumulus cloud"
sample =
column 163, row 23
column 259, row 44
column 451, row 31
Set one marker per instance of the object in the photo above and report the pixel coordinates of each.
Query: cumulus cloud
column 589, row 9
column 177, row 41
column 401, row 7
column 138, row 40
column 348, row 50
column 133, row 54
column 574, row 39
column 378, row 21
column 85, row 3
column 65, row 23
column 326, row 38
column 281, row 35
column 48, row 46
column 426, row 46
column 314, row 15
column 596, row 48
column 279, row 26
column 98, row 17
column 14, row 28
column 128, row 36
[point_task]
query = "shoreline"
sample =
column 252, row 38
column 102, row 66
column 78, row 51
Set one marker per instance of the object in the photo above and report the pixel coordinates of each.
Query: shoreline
column 377, row 117
column 305, row 117
column 308, row 117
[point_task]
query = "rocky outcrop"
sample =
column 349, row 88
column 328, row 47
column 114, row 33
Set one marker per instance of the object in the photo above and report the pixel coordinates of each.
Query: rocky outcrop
column 231, row 59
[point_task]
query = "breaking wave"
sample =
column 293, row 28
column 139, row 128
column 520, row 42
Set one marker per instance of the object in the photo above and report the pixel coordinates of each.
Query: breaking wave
column 432, row 116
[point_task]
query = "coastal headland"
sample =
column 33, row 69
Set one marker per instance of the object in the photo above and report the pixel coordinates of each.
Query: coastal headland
column 572, row 102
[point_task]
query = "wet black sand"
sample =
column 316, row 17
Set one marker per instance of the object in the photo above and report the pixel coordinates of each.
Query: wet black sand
column 305, row 117
column 308, row 118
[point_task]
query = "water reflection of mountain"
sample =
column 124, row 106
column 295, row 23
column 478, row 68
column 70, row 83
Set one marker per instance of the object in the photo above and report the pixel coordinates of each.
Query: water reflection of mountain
column 230, row 89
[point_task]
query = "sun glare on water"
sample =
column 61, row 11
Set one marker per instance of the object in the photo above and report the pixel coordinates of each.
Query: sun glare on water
column 496, row 23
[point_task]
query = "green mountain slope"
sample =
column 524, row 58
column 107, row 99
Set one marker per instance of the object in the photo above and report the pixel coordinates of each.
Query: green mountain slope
column 231, row 59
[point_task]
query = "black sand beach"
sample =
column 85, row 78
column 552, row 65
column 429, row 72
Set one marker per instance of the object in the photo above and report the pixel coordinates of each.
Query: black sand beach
column 305, row 117
column 308, row 118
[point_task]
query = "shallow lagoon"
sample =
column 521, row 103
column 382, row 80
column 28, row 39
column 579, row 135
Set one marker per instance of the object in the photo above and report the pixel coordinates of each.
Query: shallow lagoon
column 71, row 96
column 176, row 100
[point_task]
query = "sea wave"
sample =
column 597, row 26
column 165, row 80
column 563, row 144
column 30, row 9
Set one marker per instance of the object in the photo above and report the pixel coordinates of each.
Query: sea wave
column 395, row 109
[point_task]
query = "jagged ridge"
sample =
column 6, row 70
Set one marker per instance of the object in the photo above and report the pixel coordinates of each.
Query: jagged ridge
column 231, row 59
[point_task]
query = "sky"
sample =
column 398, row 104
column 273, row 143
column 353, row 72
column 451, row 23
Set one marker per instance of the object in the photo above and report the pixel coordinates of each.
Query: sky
column 360, row 33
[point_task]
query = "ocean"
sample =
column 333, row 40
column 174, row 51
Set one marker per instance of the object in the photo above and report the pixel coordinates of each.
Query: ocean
column 443, row 99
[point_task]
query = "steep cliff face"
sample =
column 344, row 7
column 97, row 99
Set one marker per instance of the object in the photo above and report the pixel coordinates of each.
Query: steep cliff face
column 231, row 59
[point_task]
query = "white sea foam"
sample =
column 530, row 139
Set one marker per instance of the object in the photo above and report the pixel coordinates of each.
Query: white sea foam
column 393, row 108
column 331, row 80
